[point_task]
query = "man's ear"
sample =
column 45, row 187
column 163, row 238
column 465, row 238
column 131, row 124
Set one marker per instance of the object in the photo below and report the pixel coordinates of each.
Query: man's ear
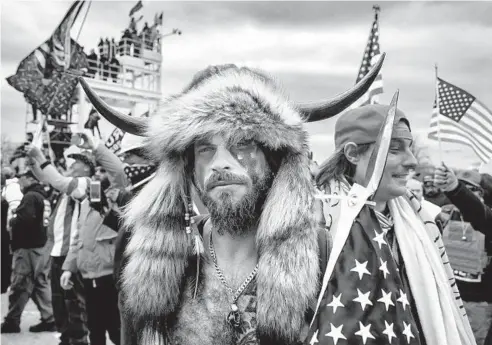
column 351, row 153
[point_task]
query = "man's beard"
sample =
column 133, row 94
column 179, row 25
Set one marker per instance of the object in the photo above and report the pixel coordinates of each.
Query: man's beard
column 237, row 218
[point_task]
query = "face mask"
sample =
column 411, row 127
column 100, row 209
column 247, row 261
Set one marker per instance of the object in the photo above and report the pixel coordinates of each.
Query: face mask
column 138, row 172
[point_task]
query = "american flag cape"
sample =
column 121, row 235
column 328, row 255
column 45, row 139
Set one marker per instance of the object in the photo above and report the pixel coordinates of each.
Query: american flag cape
column 366, row 301
column 41, row 76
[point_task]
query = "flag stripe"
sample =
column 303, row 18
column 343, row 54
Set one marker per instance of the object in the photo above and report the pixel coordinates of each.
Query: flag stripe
column 454, row 133
column 466, row 124
column 481, row 112
column 482, row 146
column 458, row 139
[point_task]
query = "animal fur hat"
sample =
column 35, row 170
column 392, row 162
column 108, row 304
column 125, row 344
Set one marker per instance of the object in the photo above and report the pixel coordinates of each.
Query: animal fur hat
column 236, row 103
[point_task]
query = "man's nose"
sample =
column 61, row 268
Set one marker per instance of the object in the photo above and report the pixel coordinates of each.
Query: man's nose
column 223, row 159
column 410, row 161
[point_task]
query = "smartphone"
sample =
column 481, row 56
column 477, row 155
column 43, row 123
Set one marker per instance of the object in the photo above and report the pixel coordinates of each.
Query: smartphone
column 95, row 191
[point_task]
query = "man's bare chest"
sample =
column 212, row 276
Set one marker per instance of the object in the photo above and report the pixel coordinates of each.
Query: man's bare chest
column 202, row 320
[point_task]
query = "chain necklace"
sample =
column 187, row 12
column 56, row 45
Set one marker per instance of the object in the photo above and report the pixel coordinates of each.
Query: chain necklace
column 234, row 316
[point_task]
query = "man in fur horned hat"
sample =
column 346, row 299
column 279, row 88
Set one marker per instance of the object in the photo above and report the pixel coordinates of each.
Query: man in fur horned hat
column 249, row 272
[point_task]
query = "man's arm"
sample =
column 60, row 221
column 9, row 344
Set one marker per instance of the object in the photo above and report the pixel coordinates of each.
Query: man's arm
column 472, row 208
column 113, row 165
column 47, row 173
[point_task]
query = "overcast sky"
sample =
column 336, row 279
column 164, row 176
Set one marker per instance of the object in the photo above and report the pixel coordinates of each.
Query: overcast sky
column 313, row 48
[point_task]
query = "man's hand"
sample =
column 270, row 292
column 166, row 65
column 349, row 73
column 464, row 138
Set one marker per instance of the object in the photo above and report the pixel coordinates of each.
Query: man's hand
column 86, row 142
column 65, row 281
column 445, row 178
column 112, row 198
column 35, row 153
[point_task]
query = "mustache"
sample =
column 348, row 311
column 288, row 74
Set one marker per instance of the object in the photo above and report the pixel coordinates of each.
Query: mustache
column 224, row 177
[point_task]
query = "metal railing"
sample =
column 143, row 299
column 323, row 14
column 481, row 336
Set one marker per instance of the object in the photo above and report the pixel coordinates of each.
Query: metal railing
column 143, row 78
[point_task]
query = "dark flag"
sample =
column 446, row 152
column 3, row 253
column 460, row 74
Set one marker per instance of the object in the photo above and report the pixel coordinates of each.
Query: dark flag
column 136, row 8
column 41, row 76
column 367, row 301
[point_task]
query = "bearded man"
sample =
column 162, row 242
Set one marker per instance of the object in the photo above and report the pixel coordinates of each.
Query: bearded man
column 248, row 273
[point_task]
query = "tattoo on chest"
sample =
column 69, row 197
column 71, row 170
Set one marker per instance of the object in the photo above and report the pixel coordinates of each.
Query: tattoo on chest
column 203, row 320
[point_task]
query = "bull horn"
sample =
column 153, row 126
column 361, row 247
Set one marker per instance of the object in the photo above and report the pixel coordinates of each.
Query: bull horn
column 127, row 123
column 317, row 111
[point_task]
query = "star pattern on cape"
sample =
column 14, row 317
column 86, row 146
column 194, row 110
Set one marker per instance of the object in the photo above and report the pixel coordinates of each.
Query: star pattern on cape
column 403, row 299
column 335, row 303
column 379, row 238
column 389, row 331
column 363, row 299
column 384, row 267
column 386, row 299
column 360, row 268
column 364, row 332
column 407, row 332
column 314, row 339
column 335, row 333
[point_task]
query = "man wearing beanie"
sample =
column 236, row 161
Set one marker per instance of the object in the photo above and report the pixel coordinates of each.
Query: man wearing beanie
column 392, row 282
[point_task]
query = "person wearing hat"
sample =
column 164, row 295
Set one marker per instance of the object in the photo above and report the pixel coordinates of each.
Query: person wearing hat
column 30, row 268
column 85, row 270
column 466, row 195
column 391, row 278
column 250, row 271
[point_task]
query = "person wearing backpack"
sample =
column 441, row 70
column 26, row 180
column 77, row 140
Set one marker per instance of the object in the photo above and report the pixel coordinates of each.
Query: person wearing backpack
column 468, row 209
column 30, row 268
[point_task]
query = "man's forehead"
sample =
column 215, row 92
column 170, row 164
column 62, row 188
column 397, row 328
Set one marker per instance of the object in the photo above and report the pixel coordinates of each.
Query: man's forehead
column 402, row 131
column 220, row 140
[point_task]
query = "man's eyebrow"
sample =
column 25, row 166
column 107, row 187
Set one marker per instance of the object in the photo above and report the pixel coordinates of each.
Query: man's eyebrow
column 202, row 142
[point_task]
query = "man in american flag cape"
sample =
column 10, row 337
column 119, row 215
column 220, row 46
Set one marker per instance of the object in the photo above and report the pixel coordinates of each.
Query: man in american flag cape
column 388, row 279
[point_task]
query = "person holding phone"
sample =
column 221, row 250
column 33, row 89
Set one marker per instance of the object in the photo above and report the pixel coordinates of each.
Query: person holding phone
column 91, row 249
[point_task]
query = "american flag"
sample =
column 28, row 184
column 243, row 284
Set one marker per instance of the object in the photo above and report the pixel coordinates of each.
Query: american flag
column 462, row 119
column 371, row 55
column 366, row 301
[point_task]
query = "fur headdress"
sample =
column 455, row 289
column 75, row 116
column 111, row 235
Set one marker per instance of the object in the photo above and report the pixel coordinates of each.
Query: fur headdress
column 235, row 103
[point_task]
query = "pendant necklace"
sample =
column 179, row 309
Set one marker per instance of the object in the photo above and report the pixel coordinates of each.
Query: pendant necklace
column 234, row 316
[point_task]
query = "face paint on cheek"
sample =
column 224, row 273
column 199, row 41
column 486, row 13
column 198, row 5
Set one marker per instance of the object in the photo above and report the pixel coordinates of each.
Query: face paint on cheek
column 246, row 156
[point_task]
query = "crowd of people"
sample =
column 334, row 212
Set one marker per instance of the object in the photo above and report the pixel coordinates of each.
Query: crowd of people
column 62, row 237
column 122, row 250
column 105, row 65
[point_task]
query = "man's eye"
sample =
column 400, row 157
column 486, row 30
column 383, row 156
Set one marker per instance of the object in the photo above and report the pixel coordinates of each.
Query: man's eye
column 205, row 149
column 245, row 145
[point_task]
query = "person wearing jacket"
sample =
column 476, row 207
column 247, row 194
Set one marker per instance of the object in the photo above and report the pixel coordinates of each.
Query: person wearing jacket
column 465, row 193
column 91, row 248
column 68, row 306
column 30, row 267
column 92, row 251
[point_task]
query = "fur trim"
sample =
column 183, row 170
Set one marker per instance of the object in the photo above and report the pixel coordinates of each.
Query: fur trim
column 237, row 104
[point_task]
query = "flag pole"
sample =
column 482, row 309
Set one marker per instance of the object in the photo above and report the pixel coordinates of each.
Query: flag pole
column 438, row 113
